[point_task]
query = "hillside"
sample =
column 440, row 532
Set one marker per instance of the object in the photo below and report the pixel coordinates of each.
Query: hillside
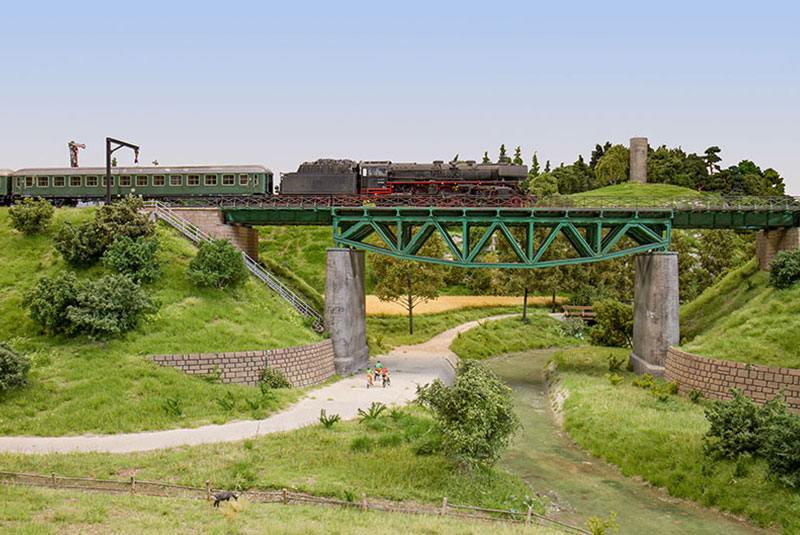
column 80, row 386
column 634, row 189
column 743, row 318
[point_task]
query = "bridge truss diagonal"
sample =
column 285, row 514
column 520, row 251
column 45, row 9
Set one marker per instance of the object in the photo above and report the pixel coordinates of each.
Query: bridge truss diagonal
column 468, row 234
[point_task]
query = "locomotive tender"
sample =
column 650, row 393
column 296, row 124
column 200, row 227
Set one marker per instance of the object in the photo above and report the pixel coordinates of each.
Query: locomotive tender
column 339, row 177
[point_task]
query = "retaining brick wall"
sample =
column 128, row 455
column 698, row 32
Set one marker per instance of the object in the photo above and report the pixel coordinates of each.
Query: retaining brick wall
column 303, row 365
column 716, row 377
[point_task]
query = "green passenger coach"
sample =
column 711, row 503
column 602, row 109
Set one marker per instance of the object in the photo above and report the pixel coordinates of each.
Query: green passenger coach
column 5, row 190
column 89, row 183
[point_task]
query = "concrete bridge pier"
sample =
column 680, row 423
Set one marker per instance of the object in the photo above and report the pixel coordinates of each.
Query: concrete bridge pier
column 656, row 312
column 346, row 308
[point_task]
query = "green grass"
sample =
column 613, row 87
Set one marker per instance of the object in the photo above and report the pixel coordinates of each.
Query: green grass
column 387, row 332
column 742, row 318
column 377, row 458
column 635, row 189
column 79, row 386
column 47, row 511
column 662, row 442
column 299, row 249
column 507, row 335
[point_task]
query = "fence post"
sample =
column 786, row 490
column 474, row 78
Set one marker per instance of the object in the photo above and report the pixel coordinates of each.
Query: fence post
column 444, row 506
column 53, row 479
column 133, row 484
column 363, row 502
column 528, row 516
column 285, row 497
column 208, row 490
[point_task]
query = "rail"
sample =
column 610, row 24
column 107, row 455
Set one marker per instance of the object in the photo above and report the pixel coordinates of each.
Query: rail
column 700, row 203
column 165, row 213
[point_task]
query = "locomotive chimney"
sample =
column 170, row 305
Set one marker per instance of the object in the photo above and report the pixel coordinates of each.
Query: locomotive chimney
column 639, row 160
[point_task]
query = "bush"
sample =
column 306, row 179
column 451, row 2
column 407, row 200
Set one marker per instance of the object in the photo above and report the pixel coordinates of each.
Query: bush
column 784, row 270
column 272, row 378
column 614, row 325
column 217, row 264
column 782, row 447
column 738, row 426
column 81, row 244
column 475, row 415
column 135, row 258
column 574, row 327
column 13, row 368
column 123, row 218
column 49, row 300
column 108, row 306
column 30, row 216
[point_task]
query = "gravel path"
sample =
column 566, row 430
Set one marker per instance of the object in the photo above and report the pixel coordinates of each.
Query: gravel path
column 409, row 365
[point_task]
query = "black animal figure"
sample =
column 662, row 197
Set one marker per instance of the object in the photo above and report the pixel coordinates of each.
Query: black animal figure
column 224, row 496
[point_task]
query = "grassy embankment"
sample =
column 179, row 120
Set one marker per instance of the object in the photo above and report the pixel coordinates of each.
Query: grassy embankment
column 394, row 457
column 743, row 318
column 47, row 511
column 79, row 386
column 661, row 441
column 634, row 189
column 509, row 335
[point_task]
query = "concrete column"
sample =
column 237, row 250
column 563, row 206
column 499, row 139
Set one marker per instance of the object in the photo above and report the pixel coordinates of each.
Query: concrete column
column 639, row 160
column 346, row 308
column 771, row 242
column 656, row 313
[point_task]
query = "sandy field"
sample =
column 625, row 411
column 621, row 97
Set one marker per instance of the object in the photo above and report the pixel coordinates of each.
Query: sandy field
column 376, row 307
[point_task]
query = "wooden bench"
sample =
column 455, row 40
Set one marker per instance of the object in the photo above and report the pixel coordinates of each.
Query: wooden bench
column 585, row 313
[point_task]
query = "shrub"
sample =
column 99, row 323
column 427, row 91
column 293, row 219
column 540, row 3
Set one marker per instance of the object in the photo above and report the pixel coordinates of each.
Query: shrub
column 574, row 327
column 108, row 306
column 13, row 368
column 614, row 325
column 326, row 420
column 695, row 395
column 48, row 302
column 784, row 270
column 123, row 218
column 272, row 378
column 371, row 414
column 645, row 381
column 217, row 264
column 30, row 216
column 738, row 426
column 782, row 446
column 475, row 415
column 614, row 379
column 134, row 258
column 79, row 244
column 615, row 363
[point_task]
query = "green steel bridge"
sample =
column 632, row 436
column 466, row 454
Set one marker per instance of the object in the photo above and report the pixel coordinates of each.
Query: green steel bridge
column 596, row 228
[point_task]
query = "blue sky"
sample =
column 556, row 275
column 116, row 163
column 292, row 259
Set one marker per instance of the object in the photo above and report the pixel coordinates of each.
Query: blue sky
column 280, row 83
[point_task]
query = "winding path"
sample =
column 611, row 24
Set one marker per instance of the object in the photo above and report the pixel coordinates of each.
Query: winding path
column 410, row 366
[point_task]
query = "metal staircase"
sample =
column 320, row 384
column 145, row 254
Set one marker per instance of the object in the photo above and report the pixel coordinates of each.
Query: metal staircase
column 164, row 212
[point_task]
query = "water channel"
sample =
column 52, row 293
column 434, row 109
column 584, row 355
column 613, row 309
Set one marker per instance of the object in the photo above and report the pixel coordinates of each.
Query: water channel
column 580, row 486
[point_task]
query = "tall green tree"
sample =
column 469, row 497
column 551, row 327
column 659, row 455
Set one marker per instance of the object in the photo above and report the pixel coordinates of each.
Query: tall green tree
column 486, row 158
column 503, row 155
column 534, row 171
column 597, row 153
column 712, row 159
column 518, row 156
column 409, row 282
column 613, row 167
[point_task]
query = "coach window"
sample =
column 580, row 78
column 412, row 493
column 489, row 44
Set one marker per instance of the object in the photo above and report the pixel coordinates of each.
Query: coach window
column 112, row 182
column 242, row 180
column 255, row 180
column 193, row 180
column 141, row 181
column 125, row 181
column 91, row 181
column 28, row 181
column 74, row 181
column 228, row 180
column 59, row 181
column 42, row 181
column 211, row 180
column 159, row 180
column 175, row 180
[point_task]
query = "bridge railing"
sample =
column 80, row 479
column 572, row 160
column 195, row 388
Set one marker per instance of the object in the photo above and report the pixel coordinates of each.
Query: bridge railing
column 560, row 202
column 165, row 213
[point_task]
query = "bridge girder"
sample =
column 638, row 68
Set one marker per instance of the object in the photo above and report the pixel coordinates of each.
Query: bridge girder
column 468, row 233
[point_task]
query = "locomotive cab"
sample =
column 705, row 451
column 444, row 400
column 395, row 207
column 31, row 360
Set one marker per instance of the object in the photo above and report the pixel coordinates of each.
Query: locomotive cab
column 374, row 177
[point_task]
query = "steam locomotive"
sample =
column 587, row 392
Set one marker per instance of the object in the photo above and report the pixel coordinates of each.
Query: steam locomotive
column 343, row 177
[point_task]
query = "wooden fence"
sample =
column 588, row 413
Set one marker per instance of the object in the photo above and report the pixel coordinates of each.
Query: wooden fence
column 284, row 496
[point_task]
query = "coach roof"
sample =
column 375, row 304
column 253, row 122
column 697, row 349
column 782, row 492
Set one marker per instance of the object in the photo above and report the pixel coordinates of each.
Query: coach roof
column 184, row 169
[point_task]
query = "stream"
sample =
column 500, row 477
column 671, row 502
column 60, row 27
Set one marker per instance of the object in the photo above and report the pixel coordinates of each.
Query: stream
column 580, row 486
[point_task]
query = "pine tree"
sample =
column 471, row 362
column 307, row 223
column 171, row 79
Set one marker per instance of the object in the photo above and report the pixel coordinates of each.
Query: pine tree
column 518, row 156
column 547, row 166
column 486, row 157
column 503, row 155
column 534, row 172
column 712, row 158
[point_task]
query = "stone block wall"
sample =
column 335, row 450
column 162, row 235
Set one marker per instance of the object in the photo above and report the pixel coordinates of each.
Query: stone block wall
column 771, row 242
column 302, row 365
column 212, row 221
column 716, row 377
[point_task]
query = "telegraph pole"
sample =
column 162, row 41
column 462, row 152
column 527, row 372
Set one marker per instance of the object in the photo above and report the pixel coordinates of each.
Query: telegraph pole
column 109, row 152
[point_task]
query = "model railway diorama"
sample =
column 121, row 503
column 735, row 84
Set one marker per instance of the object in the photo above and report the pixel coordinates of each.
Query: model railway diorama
column 320, row 178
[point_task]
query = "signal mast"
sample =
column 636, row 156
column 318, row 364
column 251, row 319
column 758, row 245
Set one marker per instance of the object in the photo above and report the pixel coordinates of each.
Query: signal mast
column 73, row 152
